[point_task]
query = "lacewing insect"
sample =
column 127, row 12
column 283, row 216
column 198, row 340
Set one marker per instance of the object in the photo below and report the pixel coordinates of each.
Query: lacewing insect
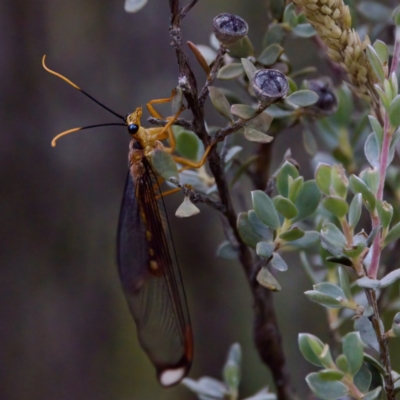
column 147, row 263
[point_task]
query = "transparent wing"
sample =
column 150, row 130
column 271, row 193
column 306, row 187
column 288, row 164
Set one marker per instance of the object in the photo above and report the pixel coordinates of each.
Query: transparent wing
column 151, row 280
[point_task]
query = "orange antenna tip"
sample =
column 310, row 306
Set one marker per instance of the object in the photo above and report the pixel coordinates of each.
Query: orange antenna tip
column 53, row 142
column 58, row 75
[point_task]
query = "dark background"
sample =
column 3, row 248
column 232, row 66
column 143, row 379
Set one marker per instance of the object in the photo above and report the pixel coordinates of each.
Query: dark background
column 66, row 332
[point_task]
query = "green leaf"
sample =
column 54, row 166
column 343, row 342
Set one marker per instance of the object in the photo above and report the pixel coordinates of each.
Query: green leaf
column 396, row 16
column 292, row 234
column 362, row 379
column 364, row 326
column 271, row 54
column 265, row 249
column 302, row 98
column 243, row 111
column 282, row 178
column 304, row 31
column 331, row 375
column 295, row 188
column 385, row 212
column 259, row 227
column 249, row 234
column 323, row 299
column 265, row 209
column 387, row 87
column 289, row 15
column 326, row 357
column 394, row 112
column 227, row 251
column 382, row 51
column 383, row 97
column 374, row 364
column 253, row 135
column 354, row 352
column 370, row 176
column 307, row 200
column 330, row 289
column 368, row 283
column 311, row 348
column 375, row 63
column 241, row 48
column 354, row 251
column 333, row 239
column 342, row 363
column 164, row 165
column 345, row 283
column 372, row 150
column 275, row 34
column 278, row 262
column 323, row 178
column 285, row 207
column 339, row 181
column 249, row 68
column 230, row 71
column 220, row 102
column 336, row 205
column 377, row 128
column 310, row 238
column 358, row 186
column 390, row 278
column 309, row 142
column 267, row 280
column 393, row 234
column 188, row 145
column 261, row 122
column 326, row 390
column 373, row 394
column 393, row 143
column 355, row 210
column 276, row 8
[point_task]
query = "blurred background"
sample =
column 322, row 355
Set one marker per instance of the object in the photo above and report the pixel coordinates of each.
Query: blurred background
column 66, row 332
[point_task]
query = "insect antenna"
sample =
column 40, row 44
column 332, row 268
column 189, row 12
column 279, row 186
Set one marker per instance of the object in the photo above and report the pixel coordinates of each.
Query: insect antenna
column 78, row 88
column 75, row 86
column 53, row 142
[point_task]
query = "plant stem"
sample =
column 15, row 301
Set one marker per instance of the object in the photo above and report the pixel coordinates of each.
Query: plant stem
column 266, row 332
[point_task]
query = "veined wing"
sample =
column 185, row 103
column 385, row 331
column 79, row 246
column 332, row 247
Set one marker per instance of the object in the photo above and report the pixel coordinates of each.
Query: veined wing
column 150, row 276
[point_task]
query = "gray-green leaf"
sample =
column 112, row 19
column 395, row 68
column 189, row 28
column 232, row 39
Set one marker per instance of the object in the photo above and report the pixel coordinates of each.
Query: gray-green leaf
column 302, row 98
column 265, row 209
column 220, row 102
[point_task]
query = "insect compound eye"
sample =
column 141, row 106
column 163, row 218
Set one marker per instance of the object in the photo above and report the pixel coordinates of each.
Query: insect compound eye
column 133, row 128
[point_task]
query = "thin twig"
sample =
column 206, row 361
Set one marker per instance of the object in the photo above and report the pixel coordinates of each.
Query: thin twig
column 266, row 331
column 196, row 197
column 162, row 122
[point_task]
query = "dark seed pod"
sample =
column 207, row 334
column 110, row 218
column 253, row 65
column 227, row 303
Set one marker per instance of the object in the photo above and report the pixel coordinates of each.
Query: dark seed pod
column 229, row 28
column 327, row 102
column 269, row 85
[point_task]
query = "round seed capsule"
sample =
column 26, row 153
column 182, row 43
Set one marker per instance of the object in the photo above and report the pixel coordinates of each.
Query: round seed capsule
column 269, row 85
column 229, row 28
